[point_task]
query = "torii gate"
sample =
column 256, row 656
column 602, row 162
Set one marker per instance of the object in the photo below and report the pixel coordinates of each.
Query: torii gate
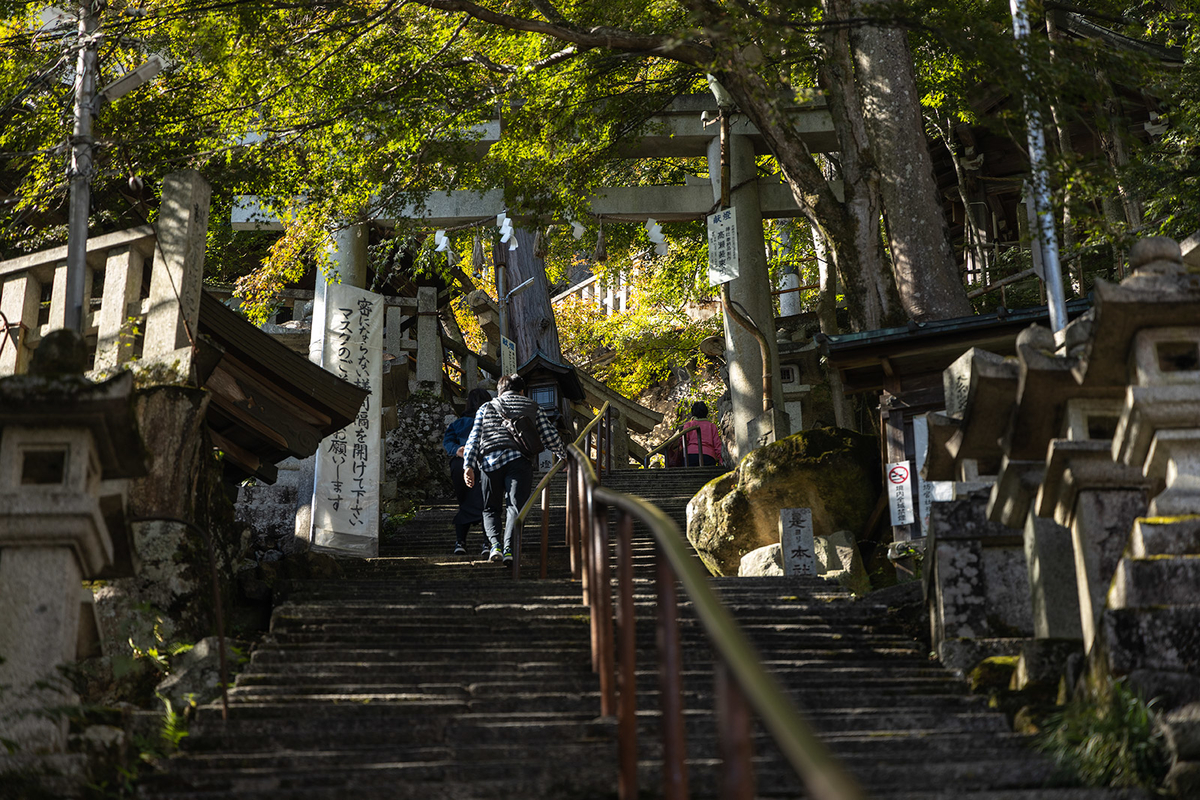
column 679, row 131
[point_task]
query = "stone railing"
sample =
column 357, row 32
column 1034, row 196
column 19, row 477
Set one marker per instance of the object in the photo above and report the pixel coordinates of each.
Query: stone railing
column 124, row 315
column 611, row 298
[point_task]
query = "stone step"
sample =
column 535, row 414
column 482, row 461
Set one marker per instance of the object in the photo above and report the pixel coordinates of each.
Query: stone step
column 422, row 674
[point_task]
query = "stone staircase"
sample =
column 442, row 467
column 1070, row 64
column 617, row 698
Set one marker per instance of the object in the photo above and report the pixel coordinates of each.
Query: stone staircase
column 426, row 675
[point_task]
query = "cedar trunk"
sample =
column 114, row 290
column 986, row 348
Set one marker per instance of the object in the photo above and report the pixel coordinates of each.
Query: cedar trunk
column 530, row 317
column 922, row 261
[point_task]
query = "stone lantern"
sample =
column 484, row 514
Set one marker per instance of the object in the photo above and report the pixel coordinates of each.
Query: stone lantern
column 66, row 447
column 1146, row 337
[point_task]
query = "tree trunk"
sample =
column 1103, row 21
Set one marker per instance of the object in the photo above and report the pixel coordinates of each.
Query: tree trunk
column 1112, row 139
column 860, row 175
column 530, row 316
column 853, row 238
column 922, row 261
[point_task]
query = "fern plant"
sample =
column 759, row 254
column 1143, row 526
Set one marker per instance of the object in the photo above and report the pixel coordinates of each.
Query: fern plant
column 1111, row 741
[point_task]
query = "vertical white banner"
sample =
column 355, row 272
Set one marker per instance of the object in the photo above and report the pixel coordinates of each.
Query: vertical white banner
column 924, row 490
column 898, row 484
column 345, row 516
column 796, row 541
column 508, row 355
column 722, row 247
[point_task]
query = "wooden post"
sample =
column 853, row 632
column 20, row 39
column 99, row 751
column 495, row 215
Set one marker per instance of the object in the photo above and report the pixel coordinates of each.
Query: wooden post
column 543, row 572
column 675, row 779
column 58, row 299
column 429, row 342
column 627, row 781
column 602, row 611
column 735, row 735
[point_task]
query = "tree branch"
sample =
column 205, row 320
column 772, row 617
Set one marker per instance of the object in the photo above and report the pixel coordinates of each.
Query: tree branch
column 688, row 52
column 549, row 11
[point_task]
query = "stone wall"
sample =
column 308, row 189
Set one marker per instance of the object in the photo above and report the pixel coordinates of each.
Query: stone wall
column 414, row 456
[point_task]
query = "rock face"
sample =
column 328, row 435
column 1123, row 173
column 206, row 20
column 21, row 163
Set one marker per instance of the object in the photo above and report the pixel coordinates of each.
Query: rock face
column 838, row 558
column 834, row 472
column 764, row 561
column 415, row 458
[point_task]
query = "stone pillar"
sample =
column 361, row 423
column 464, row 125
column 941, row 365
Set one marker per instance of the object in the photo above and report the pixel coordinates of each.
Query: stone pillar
column 752, row 291
column 176, row 281
column 122, row 286
column 620, row 439
column 39, row 602
column 1049, row 553
column 348, row 258
column 470, row 377
column 488, row 314
column 429, row 342
column 1098, row 500
column 977, row 590
column 1053, row 588
column 20, row 296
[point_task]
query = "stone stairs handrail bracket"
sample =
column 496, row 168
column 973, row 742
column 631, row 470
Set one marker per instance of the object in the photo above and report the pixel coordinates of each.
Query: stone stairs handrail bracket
column 743, row 682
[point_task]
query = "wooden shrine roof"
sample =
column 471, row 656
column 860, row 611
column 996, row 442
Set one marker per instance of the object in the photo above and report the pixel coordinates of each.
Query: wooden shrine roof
column 268, row 402
column 873, row 360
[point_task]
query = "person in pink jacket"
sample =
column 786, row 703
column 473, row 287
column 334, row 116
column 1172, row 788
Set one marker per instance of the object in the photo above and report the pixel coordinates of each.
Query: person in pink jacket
column 702, row 439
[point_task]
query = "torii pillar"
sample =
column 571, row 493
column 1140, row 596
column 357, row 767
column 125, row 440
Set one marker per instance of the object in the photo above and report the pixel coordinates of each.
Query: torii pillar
column 348, row 268
column 751, row 290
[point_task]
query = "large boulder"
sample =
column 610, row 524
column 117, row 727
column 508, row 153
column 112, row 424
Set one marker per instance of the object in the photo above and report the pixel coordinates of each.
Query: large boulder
column 834, row 472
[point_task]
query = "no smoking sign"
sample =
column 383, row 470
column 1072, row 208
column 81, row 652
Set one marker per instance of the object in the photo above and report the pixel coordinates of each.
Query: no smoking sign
column 900, row 493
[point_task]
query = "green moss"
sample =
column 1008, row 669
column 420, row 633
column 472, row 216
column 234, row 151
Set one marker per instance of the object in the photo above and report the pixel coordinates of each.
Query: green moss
column 1166, row 520
column 993, row 674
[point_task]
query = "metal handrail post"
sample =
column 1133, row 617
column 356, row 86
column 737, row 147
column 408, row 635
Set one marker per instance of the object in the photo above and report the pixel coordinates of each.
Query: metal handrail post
column 675, row 778
column 585, row 541
column 602, row 597
column 608, row 439
column 591, row 586
column 518, row 535
column 627, row 781
column 543, row 571
column 573, row 517
column 735, row 736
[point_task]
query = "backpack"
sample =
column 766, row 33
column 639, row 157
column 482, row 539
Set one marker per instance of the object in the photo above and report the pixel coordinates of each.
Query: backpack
column 523, row 430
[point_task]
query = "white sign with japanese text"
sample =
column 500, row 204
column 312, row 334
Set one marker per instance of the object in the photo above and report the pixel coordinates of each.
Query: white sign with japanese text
column 898, row 484
column 722, row 247
column 345, row 511
column 508, row 355
column 796, row 541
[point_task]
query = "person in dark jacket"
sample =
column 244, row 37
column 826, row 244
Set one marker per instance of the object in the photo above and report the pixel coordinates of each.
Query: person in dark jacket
column 492, row 457
column 470, row 500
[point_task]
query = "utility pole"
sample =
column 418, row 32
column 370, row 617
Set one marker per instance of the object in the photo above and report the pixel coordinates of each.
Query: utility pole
column 79, row 173
column 1045, row 231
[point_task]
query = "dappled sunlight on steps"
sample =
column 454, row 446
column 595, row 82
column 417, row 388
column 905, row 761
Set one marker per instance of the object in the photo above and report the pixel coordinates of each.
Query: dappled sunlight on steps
column 426, row 675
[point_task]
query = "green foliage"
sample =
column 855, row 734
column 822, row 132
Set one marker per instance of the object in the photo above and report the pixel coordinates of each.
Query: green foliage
column 1112, row 741
column 174, row 724
column 659, row 332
